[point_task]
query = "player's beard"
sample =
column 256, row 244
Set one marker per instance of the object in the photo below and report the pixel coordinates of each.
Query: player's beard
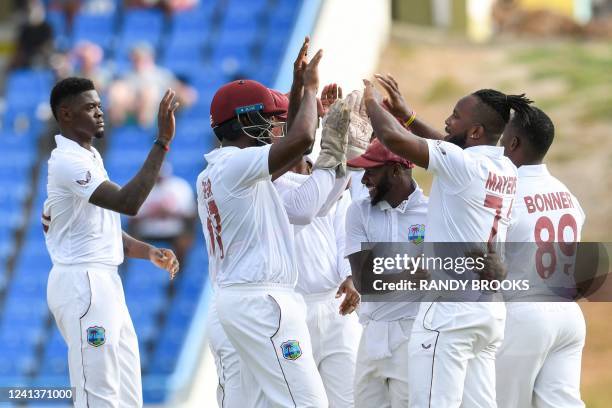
column 458, row 139
column 382, row 189
column 99, row 135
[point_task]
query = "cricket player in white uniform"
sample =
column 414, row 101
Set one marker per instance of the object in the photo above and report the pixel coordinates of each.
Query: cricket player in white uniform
column 250, row 241
column 538, row 364
column 86, row 244
column 453, row 343
column 307, row 199
column 323, row 273
column 395, row 211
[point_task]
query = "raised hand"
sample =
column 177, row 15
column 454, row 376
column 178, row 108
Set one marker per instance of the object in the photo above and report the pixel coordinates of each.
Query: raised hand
column 394, row 102
column 166, row 124
column 334, row 138
column 329, row 95
column 311, row 72
column 300, row 63
column 370, row 93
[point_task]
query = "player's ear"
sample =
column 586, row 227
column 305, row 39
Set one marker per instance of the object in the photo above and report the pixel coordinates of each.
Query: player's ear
column 515, row 143
column 64, row 113
column 477, row 131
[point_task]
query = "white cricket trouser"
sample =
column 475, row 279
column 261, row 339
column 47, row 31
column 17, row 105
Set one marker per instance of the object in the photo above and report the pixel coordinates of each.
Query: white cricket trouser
column 229, row 390
column 88, row 305
column 267, row 327
column 335, row 339
column 383, row 382
column 538, row 364
column 452, row 354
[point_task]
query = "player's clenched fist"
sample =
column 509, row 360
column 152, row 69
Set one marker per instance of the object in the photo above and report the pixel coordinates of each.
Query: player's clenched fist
column 311, row 72
column 164, row 259
column 165, row 117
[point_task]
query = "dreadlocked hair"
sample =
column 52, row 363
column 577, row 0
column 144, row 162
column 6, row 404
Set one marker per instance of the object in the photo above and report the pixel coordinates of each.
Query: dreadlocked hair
column 493, row 111
column 536, row 127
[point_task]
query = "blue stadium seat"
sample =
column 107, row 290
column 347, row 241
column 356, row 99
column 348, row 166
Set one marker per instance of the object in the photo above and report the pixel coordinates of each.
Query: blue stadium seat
column 142, row 25
column 55, row 346
column 27, row 307
column 153, row 300
column 183, row 55
column 57, row 20
column 130, row 137
column 283, row 15
column 191, row 23
column 98, row 28
column 16, row 360
column 143, row 270
column 194, row 132
column 164, row 358
column 26, row 90
column 28, row 84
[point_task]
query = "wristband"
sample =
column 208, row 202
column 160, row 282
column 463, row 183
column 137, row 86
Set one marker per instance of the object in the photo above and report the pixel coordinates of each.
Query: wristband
column 162, row 145
column 410, row 120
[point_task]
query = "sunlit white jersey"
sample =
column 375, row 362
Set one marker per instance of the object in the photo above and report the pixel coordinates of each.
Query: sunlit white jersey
column 382, row 223
column 247, row 231
column 76, row 230
column 471, row 195
column 545, row 212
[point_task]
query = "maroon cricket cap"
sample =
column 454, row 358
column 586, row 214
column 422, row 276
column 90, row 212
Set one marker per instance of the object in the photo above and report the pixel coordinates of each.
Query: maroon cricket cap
column 377, row 155
column 282, row 101
column 239, row 94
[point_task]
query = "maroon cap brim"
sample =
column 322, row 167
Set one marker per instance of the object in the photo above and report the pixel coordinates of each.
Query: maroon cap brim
column 361, row 162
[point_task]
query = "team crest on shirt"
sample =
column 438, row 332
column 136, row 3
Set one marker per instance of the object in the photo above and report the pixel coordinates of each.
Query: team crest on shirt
column 96, row 336
column 416, row 233
column 86, row 180
column 291, row 349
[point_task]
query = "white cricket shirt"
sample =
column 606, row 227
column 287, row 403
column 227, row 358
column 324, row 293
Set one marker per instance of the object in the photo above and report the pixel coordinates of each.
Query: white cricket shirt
column 383, row 223
column 544, row 211
column 78, row 231
column 247, row 231
column 319, row 244
column 471, row 194
column 405, row 223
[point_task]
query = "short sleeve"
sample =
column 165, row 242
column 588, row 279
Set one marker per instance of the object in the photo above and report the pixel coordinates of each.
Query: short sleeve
column 303, row 201
column 246, row 167
column 80, row 177
column 449, row 163
column 355, row 230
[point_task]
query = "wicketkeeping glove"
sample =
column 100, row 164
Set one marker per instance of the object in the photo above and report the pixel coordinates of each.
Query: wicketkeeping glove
column 334, row 138
column 360, row 128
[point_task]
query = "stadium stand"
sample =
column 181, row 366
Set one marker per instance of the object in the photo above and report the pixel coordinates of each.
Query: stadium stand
column 217, row 41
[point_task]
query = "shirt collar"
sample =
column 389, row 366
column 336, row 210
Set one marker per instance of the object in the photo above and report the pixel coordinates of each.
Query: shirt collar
column 412, row 200
column 490, row 151
column 64, row 143
column 212, row 156
column 533, row 170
